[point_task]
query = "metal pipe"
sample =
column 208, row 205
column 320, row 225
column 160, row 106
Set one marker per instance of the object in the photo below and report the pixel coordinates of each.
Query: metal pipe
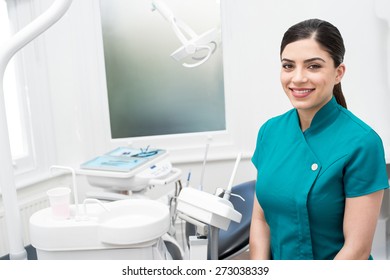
column 214, row 239
column 7, row 180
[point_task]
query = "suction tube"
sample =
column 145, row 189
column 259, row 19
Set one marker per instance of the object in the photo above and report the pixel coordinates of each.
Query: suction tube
column 7, row 180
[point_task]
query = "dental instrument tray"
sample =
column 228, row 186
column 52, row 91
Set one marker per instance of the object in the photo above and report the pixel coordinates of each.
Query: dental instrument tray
column 130, row 169
column 122, row 159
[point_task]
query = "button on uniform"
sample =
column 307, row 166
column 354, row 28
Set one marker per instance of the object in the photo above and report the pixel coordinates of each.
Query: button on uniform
column 314, row 166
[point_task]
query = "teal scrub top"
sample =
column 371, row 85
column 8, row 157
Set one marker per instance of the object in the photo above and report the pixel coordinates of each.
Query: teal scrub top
column 304, row 178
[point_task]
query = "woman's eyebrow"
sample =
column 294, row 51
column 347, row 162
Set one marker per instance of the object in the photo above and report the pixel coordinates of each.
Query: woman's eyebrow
column 314, row 59
column 287, row 60
column 305, row 61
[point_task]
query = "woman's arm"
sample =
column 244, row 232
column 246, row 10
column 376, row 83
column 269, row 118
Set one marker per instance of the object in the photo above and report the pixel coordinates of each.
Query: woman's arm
column 360, row 219
column 259, row 239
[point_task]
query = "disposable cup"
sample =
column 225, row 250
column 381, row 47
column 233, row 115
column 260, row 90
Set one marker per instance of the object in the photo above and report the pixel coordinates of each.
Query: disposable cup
column 59, row 199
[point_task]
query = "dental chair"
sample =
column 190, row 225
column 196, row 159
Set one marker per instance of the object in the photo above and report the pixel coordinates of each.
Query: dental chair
column 235, row 240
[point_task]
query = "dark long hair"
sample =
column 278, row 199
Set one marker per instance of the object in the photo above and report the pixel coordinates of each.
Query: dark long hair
column 329, row 38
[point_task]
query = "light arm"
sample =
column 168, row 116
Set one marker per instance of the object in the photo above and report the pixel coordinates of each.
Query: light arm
column 191, row 45
column 7, row 181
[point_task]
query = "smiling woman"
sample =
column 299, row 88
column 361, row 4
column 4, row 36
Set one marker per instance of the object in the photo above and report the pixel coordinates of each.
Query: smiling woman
column 319, row 166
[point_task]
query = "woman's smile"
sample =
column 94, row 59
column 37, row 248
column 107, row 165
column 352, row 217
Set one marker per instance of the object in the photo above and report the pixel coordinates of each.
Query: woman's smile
column 301, row 92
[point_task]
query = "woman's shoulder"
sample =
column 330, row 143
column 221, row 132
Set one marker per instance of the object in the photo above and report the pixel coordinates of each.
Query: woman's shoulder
column 358, row 130
column 282, row 118
column 277, row 125
column 354, row 122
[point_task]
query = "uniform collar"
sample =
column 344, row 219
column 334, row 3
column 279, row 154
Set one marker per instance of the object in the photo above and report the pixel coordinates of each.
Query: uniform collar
column 324, row 117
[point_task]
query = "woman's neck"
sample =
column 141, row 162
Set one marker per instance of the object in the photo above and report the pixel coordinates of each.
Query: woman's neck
column 305, row 119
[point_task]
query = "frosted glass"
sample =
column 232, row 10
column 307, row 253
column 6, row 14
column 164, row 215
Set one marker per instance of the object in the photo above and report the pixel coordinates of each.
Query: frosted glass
column 150, row 93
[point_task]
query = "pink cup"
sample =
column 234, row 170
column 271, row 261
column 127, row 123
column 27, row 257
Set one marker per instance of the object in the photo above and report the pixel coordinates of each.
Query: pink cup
column 59, row 199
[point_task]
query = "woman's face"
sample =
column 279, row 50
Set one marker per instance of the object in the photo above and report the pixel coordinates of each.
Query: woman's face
column 308, row 75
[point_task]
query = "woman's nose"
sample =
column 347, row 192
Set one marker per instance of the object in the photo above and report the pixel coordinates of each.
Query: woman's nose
column 299, row 76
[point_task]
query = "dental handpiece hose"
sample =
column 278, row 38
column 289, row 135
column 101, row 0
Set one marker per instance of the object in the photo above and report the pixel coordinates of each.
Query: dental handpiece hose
column 229, row 188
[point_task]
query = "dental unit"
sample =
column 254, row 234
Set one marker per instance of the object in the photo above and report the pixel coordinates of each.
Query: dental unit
column 128, row 226
column 133, row 228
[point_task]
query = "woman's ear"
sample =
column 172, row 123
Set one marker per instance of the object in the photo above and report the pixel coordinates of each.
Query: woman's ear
column 340, row 73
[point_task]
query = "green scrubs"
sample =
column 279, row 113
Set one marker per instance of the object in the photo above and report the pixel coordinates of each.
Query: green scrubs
column 305, row 177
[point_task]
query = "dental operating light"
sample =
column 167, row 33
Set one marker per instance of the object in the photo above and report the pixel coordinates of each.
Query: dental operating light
column 192, row 43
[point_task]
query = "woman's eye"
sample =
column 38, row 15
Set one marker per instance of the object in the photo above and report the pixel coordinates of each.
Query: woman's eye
column 287, row 66
column 314, row 66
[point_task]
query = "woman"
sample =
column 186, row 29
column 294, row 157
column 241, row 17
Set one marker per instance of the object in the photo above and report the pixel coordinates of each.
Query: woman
column 321, row 170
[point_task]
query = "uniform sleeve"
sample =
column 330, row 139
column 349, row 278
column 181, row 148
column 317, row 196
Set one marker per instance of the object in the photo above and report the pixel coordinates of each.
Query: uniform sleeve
column 365, row 171
column 257, row 153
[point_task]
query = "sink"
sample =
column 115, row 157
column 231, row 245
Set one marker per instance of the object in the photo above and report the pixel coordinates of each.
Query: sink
column 123, row 229
column 133, row 221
